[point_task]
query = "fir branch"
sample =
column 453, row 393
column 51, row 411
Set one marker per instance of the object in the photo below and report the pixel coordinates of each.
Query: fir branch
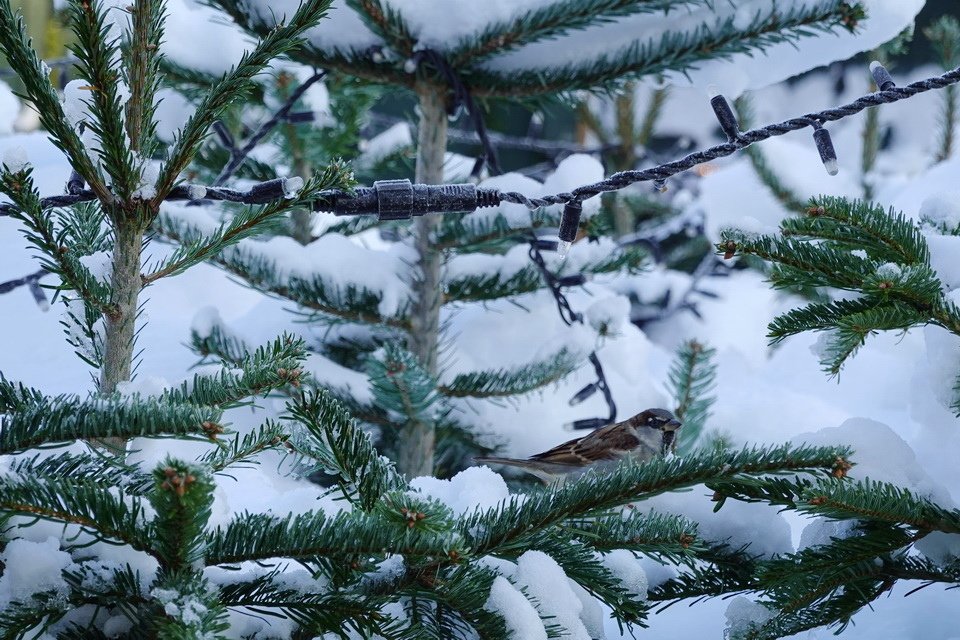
column 220, row 344
column 717, row 571
column 884, row 234
column 401, row 384
column 244, row 450
column 857, row 247
column 881, row 501
column 62, row 419
column 654, row 534
column 692, row 377
column 386, row 22
column 312, row 292
column 272, row 366
column 98, row 62
column 243, row 225
column 252, row 537
column 552, row 21
column 339, row 446
column 944, row 34
column 512, row 382
column 593, row 493
column 110, row 516
column 42, row 234
column 491, row 286
column 182, row 496
column 828, row 584
column 143, row 62
column 231, row 87
column 105, row 472
column 314, row 612
column 17, row 48
column 675, row 51
column 183, row 606
column 469, row 234
column 465, row 590
column 826, row 316
column 15, row 396
column 584, row 565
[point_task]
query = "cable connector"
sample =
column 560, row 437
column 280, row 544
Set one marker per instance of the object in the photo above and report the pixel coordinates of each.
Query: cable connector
column 401, row 200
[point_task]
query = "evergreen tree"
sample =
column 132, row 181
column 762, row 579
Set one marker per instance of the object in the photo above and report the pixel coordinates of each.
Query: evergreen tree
column 884, row 260
column 457, row 77
column 141, row 549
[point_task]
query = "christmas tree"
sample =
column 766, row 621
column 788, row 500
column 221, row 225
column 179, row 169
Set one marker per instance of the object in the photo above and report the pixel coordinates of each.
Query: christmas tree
column 164, row 525
column 452, row 61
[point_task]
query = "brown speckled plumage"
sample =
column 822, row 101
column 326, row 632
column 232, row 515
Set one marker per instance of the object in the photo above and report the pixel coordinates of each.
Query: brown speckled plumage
column 643, row 437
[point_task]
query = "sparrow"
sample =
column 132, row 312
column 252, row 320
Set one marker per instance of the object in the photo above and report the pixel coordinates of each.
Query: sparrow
column 643, row 437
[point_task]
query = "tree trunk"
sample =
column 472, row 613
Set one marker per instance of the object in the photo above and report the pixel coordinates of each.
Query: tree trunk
column 415, row 456
column 626, row 156
column 121, row 323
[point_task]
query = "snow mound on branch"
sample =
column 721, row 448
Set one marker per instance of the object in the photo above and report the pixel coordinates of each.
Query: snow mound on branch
column 743, row 613
column 472, row 488
column 198, row 37
column 739, row 73
column 548, row 585
column 441, row 24
column 32, row 567
column 879, row 454
column 628, row 570
column 942, row 209
column 521, row 619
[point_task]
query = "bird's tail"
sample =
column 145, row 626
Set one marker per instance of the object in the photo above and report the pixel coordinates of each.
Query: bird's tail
column 526, row 465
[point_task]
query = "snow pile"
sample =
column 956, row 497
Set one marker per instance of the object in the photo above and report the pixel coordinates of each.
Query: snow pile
column 742, row 614
column 521, row 618
column 441, row 24
column 473, row 488
column 15, row 159
column 32, row 567
column 628, row 570
column 608, row 315
column 384, row 144
column 942, row 210
column 547, row 585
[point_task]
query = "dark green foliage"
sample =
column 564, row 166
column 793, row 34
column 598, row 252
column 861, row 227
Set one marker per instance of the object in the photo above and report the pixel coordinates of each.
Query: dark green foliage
column 66, row 418
column 692, row 378
column 334, row 442
column 857, row 247
column 512, row 382
column 678, row 51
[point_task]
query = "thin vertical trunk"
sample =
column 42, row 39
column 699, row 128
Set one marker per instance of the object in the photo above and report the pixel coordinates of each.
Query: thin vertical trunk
column 121, row 323
column 417, row 440
column 626, row 155
column 301, row 220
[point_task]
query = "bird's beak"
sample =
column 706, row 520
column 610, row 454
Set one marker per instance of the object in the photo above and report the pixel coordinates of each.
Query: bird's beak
column 673, row 425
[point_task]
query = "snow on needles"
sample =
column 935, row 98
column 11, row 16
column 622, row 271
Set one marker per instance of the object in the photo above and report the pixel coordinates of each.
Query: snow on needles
column 442, row 24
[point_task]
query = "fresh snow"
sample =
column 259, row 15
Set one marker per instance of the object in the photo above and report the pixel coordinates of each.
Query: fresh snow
column 522, row 620
column 891, row 403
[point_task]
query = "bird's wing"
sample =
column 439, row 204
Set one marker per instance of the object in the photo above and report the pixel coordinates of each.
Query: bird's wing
column 546, row 471
column 611, row 442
